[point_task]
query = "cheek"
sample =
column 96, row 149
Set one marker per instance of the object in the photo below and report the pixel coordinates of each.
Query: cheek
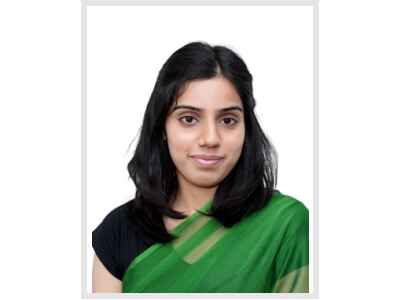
column 179, row 146
column 235, row 143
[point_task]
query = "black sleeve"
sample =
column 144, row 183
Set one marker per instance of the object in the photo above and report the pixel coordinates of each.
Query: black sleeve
column 106, row 242
column 117, row 240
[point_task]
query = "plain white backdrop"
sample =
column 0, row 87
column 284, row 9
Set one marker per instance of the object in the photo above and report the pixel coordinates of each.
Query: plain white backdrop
column 40, row 173
column 126, row 47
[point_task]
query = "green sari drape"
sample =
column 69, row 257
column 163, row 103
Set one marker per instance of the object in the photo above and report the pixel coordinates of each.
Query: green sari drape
column 267, row 252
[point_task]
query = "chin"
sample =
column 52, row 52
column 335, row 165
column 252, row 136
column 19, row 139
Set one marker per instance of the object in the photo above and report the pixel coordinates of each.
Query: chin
column 206, row 183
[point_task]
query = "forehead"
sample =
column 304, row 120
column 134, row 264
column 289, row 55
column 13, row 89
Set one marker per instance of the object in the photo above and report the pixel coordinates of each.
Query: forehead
column 209, row 94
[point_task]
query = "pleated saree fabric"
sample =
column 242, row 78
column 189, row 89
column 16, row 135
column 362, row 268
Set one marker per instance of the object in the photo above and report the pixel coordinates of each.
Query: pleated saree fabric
column 266, row 252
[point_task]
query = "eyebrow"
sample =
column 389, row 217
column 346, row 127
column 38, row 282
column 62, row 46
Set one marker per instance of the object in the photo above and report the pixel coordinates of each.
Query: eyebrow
column 200, row 109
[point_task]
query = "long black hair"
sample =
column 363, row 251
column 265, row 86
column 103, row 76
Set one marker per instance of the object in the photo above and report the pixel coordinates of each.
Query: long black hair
column 250, row 184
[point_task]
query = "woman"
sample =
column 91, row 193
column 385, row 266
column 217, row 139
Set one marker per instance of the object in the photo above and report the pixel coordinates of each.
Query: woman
column 206, row 217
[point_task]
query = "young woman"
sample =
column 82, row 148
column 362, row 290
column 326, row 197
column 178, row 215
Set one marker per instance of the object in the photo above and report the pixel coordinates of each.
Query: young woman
column 206, row 217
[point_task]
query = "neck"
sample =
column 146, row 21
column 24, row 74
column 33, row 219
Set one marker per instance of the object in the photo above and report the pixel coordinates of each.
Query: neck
column 190, row 198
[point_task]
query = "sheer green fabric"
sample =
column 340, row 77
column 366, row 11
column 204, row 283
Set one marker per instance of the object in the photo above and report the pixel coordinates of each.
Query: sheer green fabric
column 267, row 252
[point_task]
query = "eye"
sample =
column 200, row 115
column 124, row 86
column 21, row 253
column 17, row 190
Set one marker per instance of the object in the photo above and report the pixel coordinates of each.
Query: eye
column 188, row 120
column 229, row 121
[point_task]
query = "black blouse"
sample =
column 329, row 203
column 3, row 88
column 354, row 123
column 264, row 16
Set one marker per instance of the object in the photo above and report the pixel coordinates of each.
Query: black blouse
column 117, row 240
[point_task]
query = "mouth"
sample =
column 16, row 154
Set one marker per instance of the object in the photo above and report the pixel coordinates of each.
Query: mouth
column 207, row 161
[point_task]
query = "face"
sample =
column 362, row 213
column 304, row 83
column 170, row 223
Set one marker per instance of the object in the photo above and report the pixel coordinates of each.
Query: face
column 205, row 132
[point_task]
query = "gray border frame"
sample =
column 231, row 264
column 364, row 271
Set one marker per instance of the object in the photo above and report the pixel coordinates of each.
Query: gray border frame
column 315, row 259
column 199, row 2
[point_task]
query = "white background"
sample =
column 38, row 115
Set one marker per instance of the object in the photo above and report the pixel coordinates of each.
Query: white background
column 127, row 45
column 126, row 52
column 40, row 163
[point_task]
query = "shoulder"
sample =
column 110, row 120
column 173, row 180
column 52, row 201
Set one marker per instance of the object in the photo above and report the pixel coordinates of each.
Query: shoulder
column 118, row 239
column 113, row 237
column 118, row 215
column 281, row 205
column 114, row 221
column 291, row 216
column 283, row 212
column 291, row 244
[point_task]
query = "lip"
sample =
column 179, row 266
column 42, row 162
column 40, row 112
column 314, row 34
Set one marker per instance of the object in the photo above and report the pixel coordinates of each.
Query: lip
column 207, row 157
column 207, row 160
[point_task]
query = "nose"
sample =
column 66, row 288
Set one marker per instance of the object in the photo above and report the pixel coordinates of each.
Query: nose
column 209, row 135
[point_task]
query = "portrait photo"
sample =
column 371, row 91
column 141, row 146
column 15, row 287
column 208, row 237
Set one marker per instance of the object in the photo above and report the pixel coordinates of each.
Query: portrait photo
column 199, row 124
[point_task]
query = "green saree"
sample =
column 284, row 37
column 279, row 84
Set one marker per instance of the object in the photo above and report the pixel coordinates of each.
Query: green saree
column 267, row 252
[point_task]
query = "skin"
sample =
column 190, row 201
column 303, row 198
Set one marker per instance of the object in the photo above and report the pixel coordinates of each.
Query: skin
column 102, row 280
column 209, row 131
